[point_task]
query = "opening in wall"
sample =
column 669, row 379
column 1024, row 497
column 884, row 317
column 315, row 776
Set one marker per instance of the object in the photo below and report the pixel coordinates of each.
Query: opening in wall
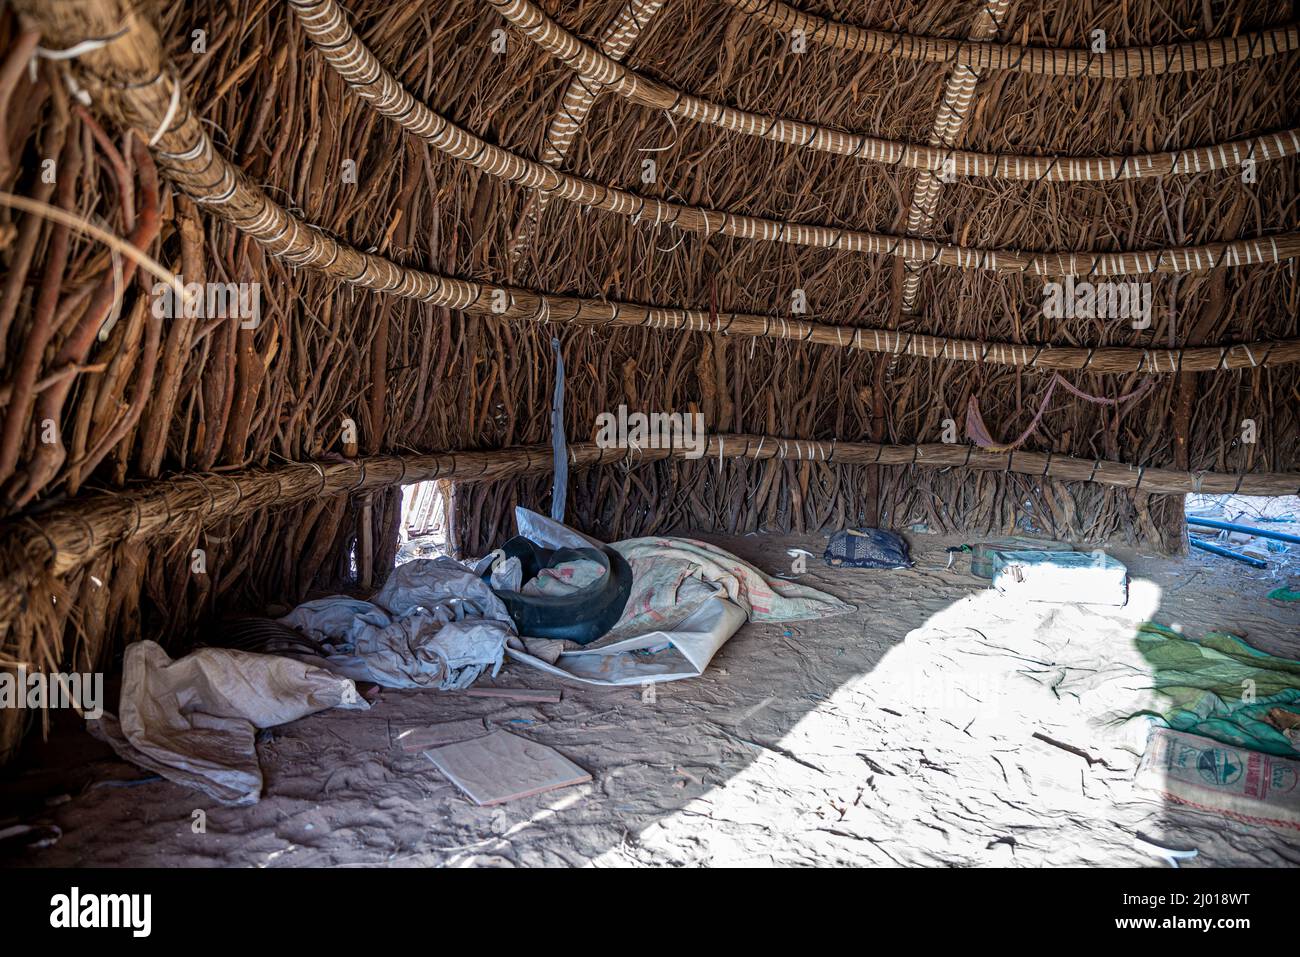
column 1262, row 531
column 426, row 524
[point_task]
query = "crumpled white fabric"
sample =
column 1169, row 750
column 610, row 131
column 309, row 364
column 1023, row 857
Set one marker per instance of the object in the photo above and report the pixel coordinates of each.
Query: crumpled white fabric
column 434, row 624
column 687, row 599
column 508, row 575
column 193, row 720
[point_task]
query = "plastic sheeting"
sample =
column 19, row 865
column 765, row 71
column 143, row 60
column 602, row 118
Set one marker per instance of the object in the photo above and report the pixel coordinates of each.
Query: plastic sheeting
column 434, row 624
column 688, row 598
column 560, row 483
column 682, row 651
column 193, row 720
column 1220, row 687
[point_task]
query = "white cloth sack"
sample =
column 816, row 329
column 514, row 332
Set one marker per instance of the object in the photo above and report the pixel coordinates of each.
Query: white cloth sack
column 193, row 720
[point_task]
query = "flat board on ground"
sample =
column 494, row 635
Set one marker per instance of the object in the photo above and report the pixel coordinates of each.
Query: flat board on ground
column 422, row 737
column 503, row 767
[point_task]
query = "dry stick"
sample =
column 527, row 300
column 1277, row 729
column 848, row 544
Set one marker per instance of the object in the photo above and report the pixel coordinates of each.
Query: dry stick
column 58, row 375
column 76, row 346
column 128, row 79
column 20, row 54
column 146, row 328
column 325, row 24
column 176, row 351
column 144, row 383
column 66, row 537
column 20, row 258
column 597, row 69
column 1121, row 63
column 113, row 242
column 44, row 325
column 61, row 379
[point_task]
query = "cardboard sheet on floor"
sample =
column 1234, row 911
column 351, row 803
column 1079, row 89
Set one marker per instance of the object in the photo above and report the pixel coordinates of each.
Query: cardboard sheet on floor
column 502, row 767
column 421, row 737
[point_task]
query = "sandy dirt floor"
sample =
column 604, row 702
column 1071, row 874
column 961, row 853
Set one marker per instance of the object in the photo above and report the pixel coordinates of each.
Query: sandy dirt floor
column 781, row 754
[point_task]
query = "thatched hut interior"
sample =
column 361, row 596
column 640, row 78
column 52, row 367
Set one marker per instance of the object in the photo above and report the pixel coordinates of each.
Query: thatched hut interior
column 553, row 432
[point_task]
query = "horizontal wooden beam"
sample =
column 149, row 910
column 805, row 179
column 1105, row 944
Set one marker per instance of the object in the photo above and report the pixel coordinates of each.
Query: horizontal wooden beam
column 597, row 68
column 68, row 536
column 326, row 24
column 1115, row 64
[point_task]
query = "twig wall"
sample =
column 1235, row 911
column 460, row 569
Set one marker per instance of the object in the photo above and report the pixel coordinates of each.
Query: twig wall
column 102, row 394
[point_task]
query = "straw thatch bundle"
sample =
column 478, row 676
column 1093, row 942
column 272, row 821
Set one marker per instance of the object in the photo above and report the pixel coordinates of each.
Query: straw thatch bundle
column 379, row 169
